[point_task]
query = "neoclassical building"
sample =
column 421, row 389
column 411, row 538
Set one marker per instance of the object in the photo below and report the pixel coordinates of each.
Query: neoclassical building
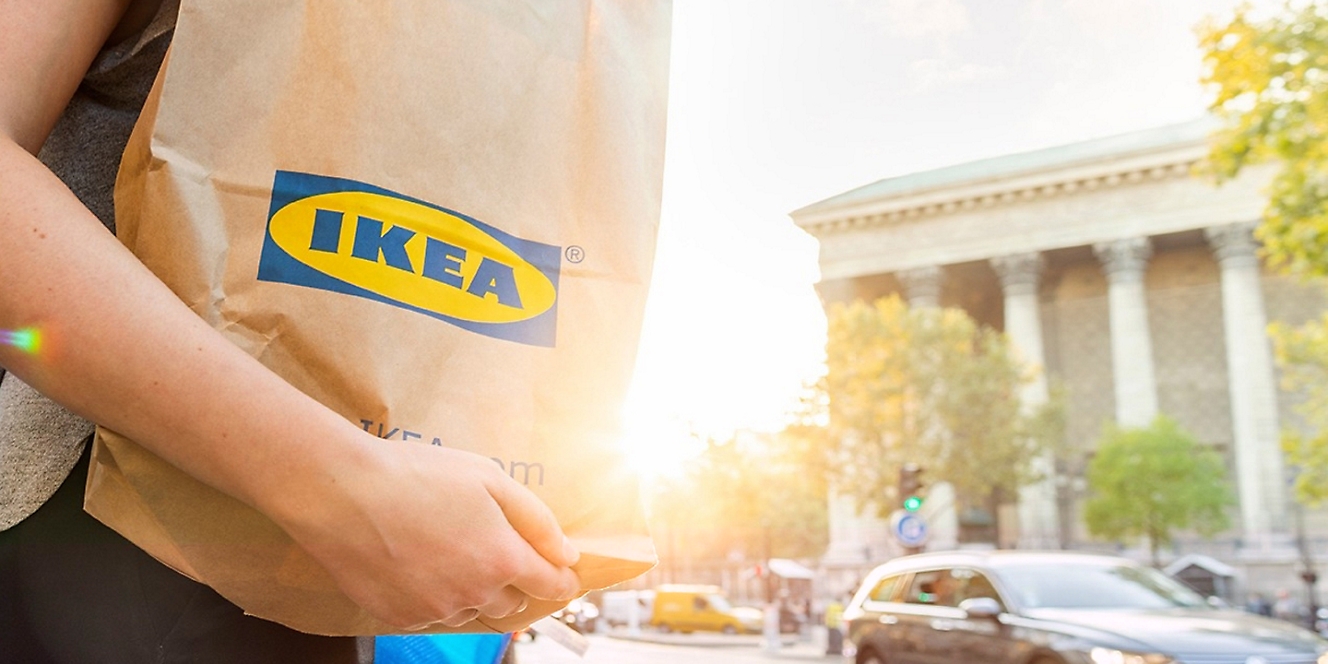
column 1133, row 283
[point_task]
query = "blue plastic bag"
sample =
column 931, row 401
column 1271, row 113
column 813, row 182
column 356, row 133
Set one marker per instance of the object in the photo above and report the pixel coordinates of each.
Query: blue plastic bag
column 441, row 649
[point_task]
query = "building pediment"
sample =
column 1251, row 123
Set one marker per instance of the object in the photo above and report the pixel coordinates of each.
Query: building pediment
column 1139, row 184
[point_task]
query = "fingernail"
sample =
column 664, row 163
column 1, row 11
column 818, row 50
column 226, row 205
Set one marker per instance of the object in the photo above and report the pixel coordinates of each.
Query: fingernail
column 570, row 552
column 572, row 593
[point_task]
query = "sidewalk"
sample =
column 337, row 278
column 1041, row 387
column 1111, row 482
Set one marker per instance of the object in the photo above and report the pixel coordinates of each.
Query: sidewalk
column 792, row 646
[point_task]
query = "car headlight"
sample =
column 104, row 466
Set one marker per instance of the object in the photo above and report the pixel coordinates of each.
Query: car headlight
column 1112, row 656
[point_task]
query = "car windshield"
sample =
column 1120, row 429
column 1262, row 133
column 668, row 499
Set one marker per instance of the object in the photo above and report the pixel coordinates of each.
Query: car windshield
column 1096, row 586
column 719, row 603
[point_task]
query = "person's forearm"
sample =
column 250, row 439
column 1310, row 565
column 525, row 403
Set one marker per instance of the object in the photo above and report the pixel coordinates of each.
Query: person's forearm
column 118, row 348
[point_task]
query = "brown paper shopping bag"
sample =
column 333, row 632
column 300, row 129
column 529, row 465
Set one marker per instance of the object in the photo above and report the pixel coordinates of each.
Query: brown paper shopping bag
column 438, row 218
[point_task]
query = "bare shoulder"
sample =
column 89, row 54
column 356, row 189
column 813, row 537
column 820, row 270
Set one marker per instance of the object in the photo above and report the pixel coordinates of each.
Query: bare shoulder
column 47, row 49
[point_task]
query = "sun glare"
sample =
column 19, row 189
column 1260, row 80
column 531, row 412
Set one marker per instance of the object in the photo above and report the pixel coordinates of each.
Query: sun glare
column 655, row 445
column 27, row 340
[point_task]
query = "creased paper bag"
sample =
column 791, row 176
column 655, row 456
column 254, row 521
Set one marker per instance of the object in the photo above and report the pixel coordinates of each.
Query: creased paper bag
column 438, row 218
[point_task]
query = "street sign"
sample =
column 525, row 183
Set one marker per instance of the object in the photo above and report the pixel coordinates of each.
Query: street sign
column 908, row 528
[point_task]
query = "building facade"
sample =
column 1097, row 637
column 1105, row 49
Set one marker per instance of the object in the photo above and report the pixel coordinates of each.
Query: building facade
column 1131, row 282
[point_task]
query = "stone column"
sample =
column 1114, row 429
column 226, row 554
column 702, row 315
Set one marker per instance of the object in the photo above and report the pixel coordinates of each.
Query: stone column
column 1131, row 344
column 922, row 285
column 1019, row 273
column 1252, row 381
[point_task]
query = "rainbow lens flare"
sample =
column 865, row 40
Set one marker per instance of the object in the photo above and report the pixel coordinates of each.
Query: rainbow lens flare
column 27, row 339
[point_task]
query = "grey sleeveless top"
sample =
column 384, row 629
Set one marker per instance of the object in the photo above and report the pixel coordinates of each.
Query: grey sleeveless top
column 39, row 440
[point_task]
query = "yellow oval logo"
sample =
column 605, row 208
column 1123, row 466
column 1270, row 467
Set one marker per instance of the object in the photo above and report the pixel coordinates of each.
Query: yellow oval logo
column 414, row 254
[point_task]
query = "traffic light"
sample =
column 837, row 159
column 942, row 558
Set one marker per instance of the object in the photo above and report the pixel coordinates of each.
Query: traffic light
column 910, row 486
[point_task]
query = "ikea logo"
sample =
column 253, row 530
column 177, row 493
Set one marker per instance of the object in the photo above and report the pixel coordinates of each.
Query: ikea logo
column 356, row 239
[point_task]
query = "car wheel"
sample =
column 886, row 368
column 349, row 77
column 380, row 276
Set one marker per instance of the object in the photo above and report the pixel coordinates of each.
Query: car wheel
column 665, row 628
column 870, row 657
column 730, row 630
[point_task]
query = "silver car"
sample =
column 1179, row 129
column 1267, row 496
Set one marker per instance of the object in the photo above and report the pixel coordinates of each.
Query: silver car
column 1021, row 607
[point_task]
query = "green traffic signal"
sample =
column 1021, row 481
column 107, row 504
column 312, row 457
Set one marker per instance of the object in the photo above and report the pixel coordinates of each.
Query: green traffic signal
column 910, row 485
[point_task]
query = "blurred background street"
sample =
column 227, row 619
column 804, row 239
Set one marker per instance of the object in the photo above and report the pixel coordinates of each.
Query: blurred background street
column 657, row 649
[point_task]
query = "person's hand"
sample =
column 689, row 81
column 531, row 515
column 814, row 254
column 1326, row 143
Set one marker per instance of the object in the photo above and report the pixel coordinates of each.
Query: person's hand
column 419, row 535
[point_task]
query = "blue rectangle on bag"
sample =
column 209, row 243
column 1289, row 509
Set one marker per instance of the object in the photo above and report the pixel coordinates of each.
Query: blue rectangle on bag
column 441, row 649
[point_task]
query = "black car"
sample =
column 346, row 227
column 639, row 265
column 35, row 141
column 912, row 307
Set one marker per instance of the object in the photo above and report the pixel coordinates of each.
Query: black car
column 1020, row 607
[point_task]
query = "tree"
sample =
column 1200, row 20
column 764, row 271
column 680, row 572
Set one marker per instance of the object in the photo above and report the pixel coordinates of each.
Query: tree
column 1269, row 77
column 746, row 494
column 926, row 386
column 1303, row 354
column 1152, row 481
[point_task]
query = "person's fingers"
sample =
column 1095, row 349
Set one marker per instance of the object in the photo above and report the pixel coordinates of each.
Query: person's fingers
column 541, row 579
column 461, row 617
column 534, row 521
column 420, row 627
column 509, row 602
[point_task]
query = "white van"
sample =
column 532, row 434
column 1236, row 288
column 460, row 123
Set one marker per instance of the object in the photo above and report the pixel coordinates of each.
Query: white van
column 615, row 607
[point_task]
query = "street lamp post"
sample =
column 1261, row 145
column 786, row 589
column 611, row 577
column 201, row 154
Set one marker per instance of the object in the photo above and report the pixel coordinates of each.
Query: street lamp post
column 1309, row 575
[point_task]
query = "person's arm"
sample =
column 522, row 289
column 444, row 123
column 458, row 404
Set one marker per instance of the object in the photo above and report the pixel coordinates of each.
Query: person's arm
column 415, row 534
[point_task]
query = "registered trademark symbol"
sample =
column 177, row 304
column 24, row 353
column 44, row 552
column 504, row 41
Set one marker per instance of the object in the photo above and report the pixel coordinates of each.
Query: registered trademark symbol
column 575, row 254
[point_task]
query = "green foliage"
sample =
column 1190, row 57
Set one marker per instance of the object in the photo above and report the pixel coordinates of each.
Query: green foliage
column 1270, row 81
column 751, row 494
column 1152, row 481
column 1303, row 353
column 927, row 386
column 1269, row 78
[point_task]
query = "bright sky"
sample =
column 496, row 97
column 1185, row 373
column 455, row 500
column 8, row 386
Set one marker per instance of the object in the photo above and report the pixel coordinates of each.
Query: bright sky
column 777, row 104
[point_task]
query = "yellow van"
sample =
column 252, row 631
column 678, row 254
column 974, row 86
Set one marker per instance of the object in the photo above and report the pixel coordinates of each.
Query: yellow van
column 689, row 608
